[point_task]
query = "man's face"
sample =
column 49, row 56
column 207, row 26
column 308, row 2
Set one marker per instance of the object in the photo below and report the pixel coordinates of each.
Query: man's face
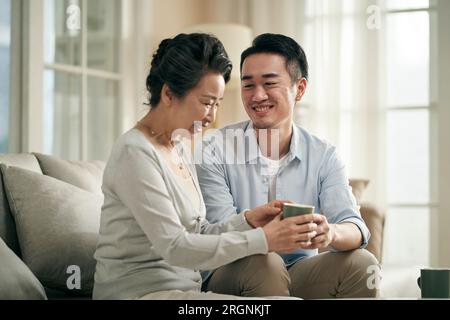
column 267, row 90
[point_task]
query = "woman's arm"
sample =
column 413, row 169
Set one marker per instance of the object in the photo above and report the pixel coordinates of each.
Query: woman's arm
column 140, row 185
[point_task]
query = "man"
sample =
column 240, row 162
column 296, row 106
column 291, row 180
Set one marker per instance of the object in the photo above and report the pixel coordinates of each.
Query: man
column 284, row 161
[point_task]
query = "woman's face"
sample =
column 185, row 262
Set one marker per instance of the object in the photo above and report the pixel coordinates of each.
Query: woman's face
column 200, row 104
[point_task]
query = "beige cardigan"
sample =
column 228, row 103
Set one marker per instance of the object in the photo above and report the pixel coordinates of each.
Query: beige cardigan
column 151, row 236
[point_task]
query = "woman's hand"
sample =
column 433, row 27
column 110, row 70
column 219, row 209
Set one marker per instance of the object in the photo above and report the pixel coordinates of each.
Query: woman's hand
column 260, row 216
column 287, row 235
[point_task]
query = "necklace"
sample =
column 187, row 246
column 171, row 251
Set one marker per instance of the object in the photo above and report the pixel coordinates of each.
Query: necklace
column 179, row 161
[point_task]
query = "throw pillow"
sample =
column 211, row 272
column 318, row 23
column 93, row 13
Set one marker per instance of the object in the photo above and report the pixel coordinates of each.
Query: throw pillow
column 17, row 282
column 57, row 226
column 358, row 187
column 86, row 175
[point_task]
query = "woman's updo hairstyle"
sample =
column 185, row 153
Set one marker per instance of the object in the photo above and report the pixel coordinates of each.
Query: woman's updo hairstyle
column 181, row 62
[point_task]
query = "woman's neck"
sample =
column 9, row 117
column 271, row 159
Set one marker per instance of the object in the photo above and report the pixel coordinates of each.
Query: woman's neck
column 157, row 123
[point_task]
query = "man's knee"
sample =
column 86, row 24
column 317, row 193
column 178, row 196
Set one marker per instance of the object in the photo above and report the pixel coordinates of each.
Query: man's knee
column 365, row 266
column 362, row 259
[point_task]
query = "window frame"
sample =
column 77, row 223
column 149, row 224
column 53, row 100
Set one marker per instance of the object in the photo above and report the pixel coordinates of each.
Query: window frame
column 33, row 67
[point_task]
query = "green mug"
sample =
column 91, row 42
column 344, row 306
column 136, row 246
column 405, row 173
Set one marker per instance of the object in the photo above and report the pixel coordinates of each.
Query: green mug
column 434, row 282
column 295, row 209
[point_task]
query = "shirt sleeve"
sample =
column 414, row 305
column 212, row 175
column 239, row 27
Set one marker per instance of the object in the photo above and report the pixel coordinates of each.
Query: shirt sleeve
column 213, row 183
column 336, row 198
column 140, row 184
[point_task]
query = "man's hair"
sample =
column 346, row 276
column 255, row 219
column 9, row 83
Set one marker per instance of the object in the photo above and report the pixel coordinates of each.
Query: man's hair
column 181, row 63
column 288, row 48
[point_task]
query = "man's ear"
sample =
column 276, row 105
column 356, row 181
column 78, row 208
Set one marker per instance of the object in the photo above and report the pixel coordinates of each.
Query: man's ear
column 301, row 85
column 166, row 95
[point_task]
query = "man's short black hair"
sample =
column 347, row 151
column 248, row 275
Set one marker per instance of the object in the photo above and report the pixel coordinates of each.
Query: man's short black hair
column 296, row 63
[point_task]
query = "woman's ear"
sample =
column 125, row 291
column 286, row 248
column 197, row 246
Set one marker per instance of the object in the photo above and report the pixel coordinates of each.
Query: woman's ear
column 166, row 95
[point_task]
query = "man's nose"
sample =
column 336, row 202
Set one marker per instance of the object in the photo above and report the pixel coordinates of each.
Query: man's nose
column 259, row 94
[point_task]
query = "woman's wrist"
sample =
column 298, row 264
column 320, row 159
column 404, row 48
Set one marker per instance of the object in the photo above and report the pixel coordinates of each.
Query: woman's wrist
column 247, row 216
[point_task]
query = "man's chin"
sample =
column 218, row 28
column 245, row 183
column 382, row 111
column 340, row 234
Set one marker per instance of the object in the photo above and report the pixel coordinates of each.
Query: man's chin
column 262, row 124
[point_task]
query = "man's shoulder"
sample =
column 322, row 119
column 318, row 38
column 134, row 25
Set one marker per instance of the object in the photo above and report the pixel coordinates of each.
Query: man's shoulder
column 312, row 142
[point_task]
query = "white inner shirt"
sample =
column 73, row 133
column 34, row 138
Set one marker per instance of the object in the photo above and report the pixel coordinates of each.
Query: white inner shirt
column 273, row 167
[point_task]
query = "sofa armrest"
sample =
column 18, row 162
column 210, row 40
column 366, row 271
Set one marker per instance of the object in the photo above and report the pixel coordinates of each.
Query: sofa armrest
column 374, row 219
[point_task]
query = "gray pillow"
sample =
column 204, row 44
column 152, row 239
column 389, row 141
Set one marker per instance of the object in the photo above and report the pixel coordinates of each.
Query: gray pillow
column 57, row 226
column 86, row 175
column 17, row 282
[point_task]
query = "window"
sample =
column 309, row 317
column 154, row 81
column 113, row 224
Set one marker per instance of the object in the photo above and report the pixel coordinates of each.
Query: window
column 5, row 62
column 82, row 77
column 408, row 107
column 369, row 94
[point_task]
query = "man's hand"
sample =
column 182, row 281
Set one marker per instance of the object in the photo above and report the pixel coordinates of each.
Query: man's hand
column 262, row 215
column 342, row 236
column 326, row 233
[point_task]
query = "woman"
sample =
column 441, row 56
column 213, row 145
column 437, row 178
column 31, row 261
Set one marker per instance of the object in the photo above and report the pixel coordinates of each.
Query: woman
column 153, row 235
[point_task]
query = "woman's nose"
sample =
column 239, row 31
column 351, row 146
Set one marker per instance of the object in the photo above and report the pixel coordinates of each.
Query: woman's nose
column 211, row 115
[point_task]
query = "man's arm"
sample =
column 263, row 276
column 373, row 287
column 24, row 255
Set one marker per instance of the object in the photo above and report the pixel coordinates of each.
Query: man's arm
column 342, row 227
column 340, row 236
column 212, row 179
column 347, row 236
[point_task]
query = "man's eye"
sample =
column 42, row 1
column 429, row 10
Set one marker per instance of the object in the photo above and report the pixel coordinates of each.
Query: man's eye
column 248, row 86
column 270, row 83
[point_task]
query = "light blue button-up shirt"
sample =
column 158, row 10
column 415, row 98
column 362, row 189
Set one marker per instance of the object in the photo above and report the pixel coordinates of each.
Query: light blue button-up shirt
column 233, row 179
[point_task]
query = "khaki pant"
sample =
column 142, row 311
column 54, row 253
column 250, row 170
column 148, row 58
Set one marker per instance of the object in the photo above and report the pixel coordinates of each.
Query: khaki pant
column 253, row 277
column 327, row 275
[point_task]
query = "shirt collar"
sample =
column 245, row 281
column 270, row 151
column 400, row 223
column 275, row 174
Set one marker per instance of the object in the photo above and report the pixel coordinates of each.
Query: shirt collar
column 297, row 142
column 254, row 153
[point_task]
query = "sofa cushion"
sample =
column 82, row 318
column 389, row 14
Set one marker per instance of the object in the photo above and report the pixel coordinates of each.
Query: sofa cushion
column 86, row 175
column 57, row 226
column 7, row 225
column 17, row 282
column 358, row 187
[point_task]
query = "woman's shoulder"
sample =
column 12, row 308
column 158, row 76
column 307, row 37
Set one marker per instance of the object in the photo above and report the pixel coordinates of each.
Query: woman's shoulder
column 133, row 143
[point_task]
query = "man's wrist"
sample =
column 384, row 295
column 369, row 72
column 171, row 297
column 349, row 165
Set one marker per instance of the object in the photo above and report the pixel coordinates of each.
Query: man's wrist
column 334, row 231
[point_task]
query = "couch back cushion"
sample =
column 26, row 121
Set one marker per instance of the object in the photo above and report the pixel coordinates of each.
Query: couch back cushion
column 358, row 187
column 86, row 175
column 7, row 225
column 57, row 226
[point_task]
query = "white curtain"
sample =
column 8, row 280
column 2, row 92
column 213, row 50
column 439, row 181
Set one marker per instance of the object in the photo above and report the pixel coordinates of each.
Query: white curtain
column 342, row 104
column 343, row 99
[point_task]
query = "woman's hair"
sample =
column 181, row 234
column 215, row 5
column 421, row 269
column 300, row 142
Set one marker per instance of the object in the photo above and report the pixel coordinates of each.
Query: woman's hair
column 181, row 62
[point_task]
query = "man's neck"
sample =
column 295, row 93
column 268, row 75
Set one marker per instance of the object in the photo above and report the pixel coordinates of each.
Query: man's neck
column 274, row 143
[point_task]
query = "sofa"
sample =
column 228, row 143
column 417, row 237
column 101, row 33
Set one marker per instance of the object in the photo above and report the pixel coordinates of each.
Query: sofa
column 49, row 221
